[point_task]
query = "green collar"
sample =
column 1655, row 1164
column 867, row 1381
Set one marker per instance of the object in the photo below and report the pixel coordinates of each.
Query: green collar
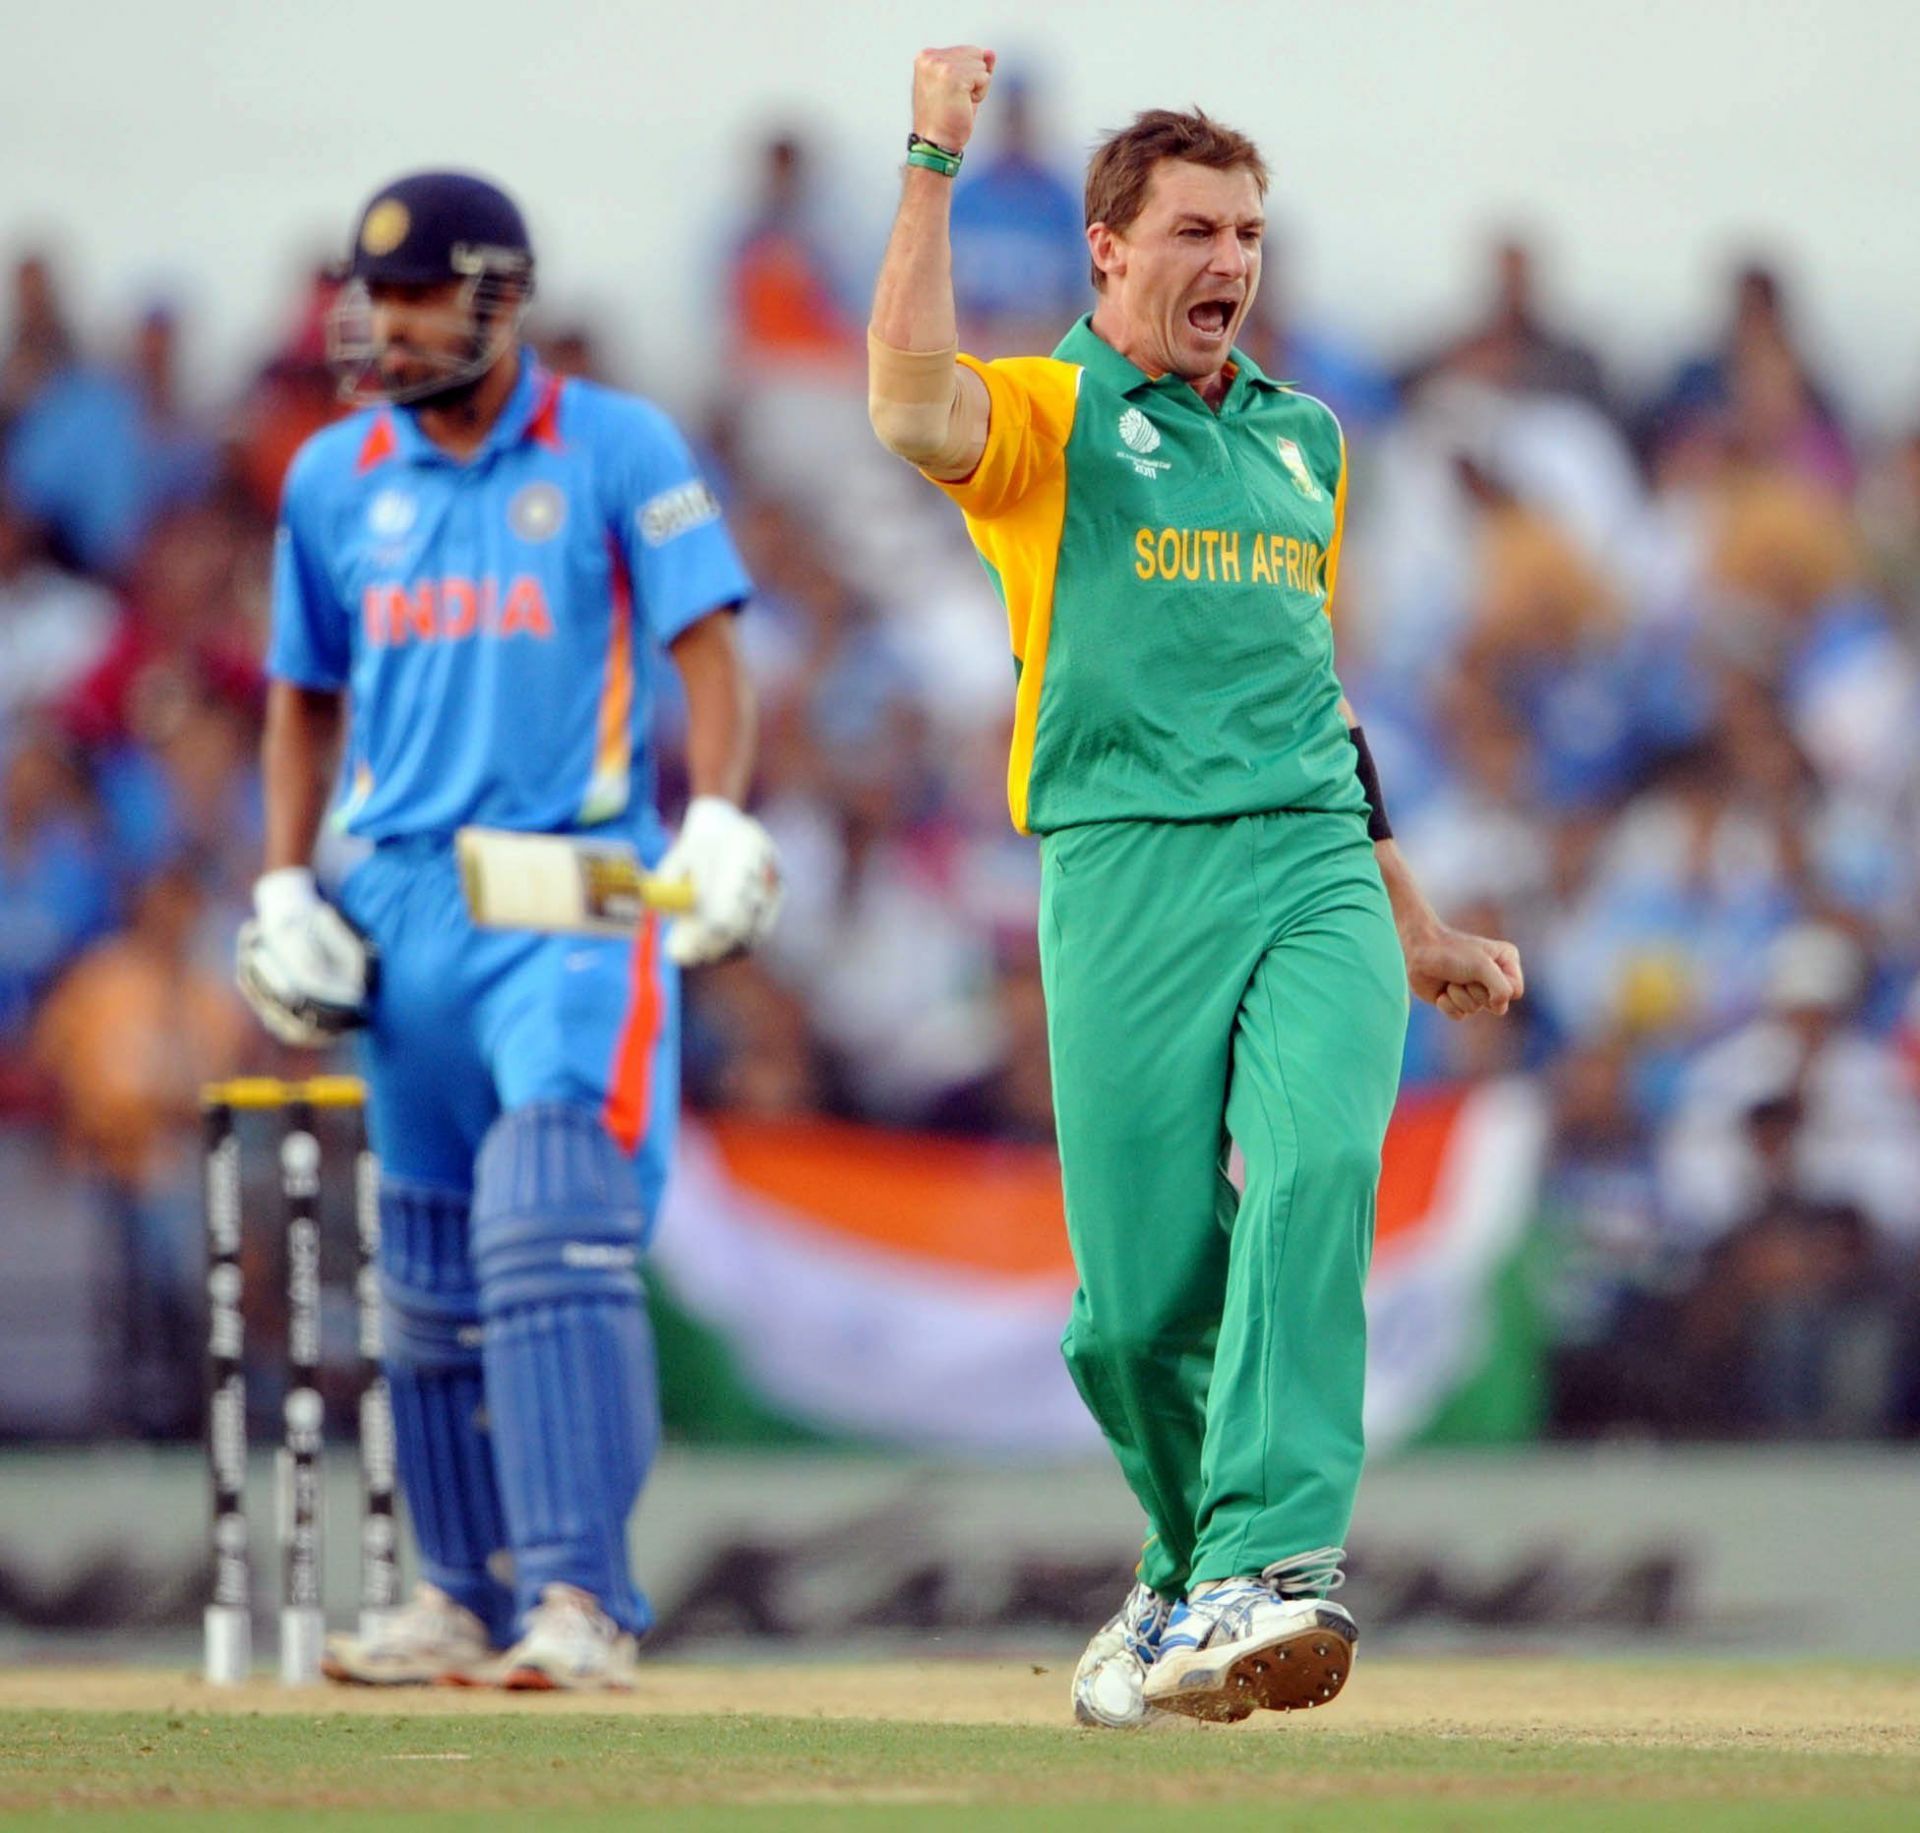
column 1085, row 346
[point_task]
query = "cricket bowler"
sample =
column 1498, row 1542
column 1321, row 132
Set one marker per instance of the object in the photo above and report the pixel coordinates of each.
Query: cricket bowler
column 1227, row 931
column 472, row 582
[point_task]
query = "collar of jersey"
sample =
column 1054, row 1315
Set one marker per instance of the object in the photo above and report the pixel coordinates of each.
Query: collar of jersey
column 1085, row 346
column 516, row 417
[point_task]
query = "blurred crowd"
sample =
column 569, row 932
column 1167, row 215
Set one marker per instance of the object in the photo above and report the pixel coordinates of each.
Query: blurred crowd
column 1639, row 657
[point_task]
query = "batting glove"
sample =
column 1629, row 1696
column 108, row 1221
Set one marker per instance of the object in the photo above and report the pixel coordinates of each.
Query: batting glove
column 300, row 964
column 730, row 859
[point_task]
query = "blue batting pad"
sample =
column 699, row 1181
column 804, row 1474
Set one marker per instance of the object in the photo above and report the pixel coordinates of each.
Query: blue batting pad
column 432, row 1354
column 557, row 1222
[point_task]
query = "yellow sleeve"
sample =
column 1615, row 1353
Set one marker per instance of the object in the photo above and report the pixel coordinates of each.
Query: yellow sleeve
column 1030, row 403
column 1339, row 527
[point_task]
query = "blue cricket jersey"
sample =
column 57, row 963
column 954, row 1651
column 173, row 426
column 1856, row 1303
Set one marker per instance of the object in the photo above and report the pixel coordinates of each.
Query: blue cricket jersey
column 495, row 622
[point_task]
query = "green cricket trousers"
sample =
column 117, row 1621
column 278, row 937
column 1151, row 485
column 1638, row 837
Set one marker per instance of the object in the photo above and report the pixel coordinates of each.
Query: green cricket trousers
column 1212, row 983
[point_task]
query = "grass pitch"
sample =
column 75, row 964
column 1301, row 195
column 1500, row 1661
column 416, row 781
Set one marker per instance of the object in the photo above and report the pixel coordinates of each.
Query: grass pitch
column 1415, row 1745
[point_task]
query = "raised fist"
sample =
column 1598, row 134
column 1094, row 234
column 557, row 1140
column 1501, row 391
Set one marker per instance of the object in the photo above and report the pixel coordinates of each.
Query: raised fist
column 948, row 88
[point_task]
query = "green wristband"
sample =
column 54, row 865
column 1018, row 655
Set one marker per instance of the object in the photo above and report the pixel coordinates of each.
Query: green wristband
column 932, row 158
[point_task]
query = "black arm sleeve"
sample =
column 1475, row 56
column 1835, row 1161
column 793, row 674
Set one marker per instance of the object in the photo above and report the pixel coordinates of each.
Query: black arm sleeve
column 1378, row 826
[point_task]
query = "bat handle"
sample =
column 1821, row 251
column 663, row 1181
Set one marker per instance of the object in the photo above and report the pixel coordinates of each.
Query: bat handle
column 670, row 896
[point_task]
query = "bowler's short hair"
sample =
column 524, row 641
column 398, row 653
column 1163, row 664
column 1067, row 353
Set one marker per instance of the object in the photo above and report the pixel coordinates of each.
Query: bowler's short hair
column 1122, row 165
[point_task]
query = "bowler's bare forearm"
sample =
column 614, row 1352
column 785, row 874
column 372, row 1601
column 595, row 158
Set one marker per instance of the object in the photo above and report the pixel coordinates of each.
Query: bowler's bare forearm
column 1413, row 915
column 298, row 758
column 926, row 407
column 721, row 717
column 913, row 298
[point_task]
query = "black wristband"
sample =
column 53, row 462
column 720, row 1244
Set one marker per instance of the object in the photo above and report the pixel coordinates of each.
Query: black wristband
column 1378, row 826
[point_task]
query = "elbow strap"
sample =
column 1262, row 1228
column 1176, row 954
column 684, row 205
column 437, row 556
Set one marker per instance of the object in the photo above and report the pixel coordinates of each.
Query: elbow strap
column 1378, row 826
column 914, row 402
column 913, row 378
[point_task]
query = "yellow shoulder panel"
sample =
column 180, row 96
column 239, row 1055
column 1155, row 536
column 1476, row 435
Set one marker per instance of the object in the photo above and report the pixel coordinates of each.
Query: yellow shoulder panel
column 1339, row 528
column 1016, row 504
column 1030, row 417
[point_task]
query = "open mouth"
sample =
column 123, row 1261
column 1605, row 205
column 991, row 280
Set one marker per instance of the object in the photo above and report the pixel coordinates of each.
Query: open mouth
column 1211, row 317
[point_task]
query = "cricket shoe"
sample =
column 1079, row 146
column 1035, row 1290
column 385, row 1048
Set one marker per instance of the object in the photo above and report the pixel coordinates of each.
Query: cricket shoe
column 571, row 1646
column 430, row 1640
column 1107, row 1683
column 1270, row 1643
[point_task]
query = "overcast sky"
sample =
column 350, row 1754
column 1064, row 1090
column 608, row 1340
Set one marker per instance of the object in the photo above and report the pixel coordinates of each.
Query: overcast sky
column 204, row 150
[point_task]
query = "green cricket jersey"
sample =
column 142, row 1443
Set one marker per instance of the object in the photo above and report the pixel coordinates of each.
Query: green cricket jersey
column 1167, row 573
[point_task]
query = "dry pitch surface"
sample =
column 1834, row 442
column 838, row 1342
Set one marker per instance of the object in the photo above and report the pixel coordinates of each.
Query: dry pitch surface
column 1413, row 1744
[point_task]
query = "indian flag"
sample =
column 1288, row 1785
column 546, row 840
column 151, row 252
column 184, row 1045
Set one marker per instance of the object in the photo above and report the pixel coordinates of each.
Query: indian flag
column 813, row 1279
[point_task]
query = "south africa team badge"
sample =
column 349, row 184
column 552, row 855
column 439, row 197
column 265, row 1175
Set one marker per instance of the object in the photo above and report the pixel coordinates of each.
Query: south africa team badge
column 1297, row 470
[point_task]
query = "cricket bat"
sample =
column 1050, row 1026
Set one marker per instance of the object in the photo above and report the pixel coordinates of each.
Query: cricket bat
column 560, row 884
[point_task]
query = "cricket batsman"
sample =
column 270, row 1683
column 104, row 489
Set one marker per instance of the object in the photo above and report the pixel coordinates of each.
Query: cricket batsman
column 1227, row 931
column 472, row 582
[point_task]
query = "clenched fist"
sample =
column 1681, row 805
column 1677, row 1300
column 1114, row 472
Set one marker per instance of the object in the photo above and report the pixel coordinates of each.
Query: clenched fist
column 1463, row 974
column 948, row 88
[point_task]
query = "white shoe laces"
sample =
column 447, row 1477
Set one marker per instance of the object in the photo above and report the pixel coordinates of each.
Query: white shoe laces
column 1227, row 1607
column 1306, row 1575
column 1142, row 1619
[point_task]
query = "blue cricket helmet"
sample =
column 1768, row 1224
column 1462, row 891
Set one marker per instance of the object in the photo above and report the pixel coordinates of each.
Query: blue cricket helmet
column 432, row 226
column 428, row 229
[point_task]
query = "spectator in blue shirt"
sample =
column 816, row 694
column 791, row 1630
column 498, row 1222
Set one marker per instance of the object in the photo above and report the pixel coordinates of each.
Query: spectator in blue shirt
column 54, row 886
column 100, row 452
column 39, row 339
column 1020, row 262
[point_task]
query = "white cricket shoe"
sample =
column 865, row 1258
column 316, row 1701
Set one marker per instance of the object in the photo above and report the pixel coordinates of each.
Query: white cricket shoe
column 1107, row 1683
column 571, row 1646
column 430, row 1640
column 1243, row 1644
